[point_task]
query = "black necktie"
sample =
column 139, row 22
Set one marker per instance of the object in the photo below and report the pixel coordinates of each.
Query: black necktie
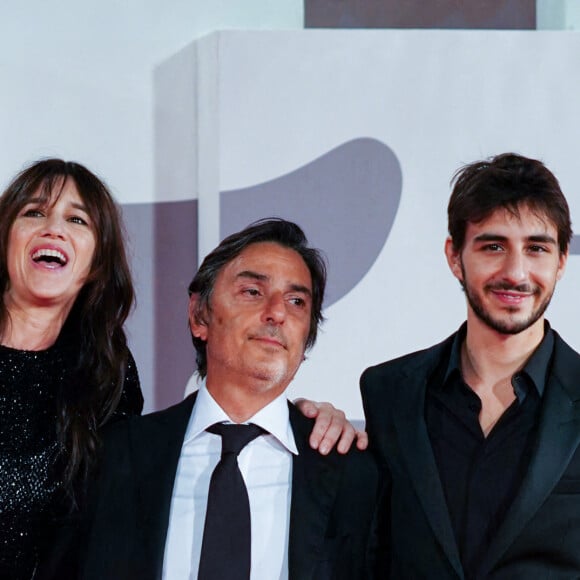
column 226, row 546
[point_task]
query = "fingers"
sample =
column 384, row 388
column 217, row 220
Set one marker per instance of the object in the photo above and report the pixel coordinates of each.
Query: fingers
column 331, row 428
column 347, row 437
column 362, row 440
column 320, row 438
column 320, row 412
column 307, row 408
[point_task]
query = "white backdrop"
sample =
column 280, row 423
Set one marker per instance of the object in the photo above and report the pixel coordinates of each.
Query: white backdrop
column 82, row 82
column 438, row 99
column 77, row 80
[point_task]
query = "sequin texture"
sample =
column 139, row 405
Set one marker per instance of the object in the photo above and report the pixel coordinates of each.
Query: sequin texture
column 28, row 453
column 30, row 457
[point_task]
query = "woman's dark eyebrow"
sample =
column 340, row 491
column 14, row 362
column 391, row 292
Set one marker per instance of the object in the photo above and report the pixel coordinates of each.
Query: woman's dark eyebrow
column 80, row 206
column 40, row 201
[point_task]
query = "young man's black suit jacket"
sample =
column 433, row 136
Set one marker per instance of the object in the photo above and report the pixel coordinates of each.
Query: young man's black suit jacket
column 332, row 507
column 540, row 536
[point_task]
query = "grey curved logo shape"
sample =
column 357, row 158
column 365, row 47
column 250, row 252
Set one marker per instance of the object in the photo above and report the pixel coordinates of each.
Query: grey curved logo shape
column 345, row 201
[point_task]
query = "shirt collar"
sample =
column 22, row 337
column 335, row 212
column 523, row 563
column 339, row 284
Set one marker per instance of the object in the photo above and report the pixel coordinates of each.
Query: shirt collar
column 536, row 368
column 274, row 418
column 454, row 364
column 539, row 363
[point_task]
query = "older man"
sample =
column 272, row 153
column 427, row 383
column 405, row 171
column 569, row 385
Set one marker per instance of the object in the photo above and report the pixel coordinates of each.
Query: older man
column 271, row 507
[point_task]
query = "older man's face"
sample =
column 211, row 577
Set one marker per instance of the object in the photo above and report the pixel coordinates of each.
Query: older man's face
column 258, row 323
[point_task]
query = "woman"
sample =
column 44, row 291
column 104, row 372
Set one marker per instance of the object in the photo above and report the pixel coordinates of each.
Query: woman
column 65, row 368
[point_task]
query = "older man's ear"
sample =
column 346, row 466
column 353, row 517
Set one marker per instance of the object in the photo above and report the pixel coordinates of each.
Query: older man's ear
column 197, row 323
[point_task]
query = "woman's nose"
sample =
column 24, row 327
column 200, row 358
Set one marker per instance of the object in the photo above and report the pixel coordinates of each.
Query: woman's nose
column 54, row 226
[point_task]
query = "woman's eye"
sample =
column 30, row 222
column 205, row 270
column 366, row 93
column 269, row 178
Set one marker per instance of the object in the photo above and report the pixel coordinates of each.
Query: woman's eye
column 78, row 220
column 32, row 213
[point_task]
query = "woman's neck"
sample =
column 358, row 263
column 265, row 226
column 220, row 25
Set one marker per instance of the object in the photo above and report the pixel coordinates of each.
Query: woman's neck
column 32, row 328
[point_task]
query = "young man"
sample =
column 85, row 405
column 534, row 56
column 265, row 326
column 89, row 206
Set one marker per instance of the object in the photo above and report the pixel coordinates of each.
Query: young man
column 478, row 436
column 168, row 506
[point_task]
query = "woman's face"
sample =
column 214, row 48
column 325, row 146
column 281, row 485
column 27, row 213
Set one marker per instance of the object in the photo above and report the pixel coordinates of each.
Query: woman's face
column 50, row 251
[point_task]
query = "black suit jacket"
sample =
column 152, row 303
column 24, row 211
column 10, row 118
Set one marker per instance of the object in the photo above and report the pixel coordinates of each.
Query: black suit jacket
column 332, row 506
column 540, row 536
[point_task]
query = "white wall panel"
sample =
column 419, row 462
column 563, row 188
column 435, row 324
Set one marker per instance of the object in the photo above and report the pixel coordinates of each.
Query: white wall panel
column 437, row 99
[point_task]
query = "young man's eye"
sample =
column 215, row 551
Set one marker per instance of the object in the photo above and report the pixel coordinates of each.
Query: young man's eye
column 492, row 247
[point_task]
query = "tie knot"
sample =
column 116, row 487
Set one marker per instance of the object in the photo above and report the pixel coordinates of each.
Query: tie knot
column 234, row 436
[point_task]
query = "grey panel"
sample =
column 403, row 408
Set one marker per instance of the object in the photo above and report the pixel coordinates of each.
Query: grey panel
column 163, row 248
column 173, row 230
column 494, row 14
column 345, row 201
column 175, row 265
column 139, row 221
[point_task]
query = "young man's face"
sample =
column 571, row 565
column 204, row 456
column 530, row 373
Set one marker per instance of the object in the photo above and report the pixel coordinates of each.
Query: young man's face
column 508, row 267
column 258, row 322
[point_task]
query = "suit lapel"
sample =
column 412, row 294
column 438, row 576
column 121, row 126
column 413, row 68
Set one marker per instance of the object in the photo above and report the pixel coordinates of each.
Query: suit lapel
column 156, row 443
column 557, row 439
column 315, row 480
column 408, row 413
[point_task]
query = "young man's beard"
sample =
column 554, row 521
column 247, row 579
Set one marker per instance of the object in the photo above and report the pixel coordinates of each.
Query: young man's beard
column 505, row 326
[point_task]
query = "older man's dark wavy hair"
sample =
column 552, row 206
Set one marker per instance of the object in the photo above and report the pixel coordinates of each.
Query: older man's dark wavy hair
column 273, row 230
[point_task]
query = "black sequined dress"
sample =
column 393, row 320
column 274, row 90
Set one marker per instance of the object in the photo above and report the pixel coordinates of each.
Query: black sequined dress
column 30, row 460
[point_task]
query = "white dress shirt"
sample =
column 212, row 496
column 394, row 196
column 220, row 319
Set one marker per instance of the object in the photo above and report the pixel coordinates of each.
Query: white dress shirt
column 266, row 466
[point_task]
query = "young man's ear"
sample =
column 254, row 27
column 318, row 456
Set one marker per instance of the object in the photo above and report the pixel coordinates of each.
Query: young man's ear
column 197, row 317
column 562, row 264
column 453, row 259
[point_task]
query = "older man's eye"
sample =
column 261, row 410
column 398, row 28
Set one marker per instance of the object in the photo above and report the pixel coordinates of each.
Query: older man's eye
column 297, row 301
